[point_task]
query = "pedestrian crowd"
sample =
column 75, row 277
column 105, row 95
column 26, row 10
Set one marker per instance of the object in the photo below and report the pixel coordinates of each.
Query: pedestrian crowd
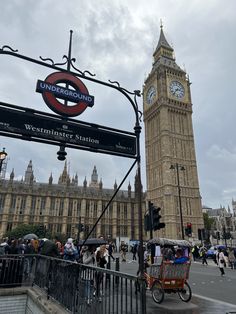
column 70, row 250
column 223, row 257
column 91, row 255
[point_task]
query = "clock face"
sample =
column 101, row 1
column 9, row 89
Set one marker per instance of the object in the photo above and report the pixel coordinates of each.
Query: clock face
column 177, row 89
column 151, row 93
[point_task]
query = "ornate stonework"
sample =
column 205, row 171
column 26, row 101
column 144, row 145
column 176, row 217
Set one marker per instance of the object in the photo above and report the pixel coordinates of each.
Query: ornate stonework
column 60, row 206
column 169, row 141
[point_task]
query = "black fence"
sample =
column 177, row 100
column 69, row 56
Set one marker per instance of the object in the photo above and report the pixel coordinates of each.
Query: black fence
column 77, row 287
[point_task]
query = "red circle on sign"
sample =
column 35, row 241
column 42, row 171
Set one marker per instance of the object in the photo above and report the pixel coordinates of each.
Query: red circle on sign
column 55, row 105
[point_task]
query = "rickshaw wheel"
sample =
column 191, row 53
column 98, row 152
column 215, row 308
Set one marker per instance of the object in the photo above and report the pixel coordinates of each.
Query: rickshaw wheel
column 157, row 292
column 185, row 294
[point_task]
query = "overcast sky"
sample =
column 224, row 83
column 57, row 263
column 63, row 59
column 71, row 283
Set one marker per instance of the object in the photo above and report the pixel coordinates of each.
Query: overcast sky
column 115, row 40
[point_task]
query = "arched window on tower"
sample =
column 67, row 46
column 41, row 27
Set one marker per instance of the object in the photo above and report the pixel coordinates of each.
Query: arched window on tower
column 87, row 208
column 78, row 208
column 70, row 208
column 61, row 207
column 13, row 204
column 95, row 209
column 2, row 201
column 22, row 204
column 42, row 205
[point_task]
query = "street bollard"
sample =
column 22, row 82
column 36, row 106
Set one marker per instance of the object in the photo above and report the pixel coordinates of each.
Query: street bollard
column 117, row 268
column 108, row 276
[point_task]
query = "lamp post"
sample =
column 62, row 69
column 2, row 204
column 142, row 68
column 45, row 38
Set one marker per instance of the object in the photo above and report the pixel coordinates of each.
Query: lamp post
column 179, row 167
column 3, row 156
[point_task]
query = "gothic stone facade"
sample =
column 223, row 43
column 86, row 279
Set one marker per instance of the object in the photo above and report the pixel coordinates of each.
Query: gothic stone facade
column 169, row 143
column 60, row 207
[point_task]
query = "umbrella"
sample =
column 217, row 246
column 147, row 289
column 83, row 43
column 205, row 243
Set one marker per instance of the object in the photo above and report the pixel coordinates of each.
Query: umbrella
column 30, row 236
column 93, row 241
column 170, row 242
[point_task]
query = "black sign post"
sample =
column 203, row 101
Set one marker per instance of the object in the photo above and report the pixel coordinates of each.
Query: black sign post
column 116, row 142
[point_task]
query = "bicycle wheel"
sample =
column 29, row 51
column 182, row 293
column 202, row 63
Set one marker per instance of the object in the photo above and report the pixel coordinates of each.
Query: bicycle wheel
column 185, row 294
column 157, row 292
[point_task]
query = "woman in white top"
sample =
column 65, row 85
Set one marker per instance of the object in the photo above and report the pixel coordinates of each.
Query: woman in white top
column 221, row 261
column 87, row 275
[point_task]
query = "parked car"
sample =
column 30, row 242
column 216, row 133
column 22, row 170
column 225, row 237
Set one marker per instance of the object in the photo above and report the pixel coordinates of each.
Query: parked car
column 213, row 249
column 211, row 252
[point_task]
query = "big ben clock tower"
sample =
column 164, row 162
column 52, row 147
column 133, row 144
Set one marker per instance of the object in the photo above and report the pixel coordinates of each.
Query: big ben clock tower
column 172, row 178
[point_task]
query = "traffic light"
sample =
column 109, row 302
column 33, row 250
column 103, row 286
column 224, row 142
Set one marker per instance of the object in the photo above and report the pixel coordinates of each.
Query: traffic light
column 156, row 224
column 217, row 235
column 188, row 230
column 147, row 222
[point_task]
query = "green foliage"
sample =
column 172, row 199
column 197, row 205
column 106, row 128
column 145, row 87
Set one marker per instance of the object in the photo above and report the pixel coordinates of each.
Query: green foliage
column 61, row 237
column 208, row 221
column 21, row 230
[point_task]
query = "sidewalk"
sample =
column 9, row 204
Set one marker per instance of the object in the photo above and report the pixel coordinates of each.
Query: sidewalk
column 172, row 304
column 198, row 305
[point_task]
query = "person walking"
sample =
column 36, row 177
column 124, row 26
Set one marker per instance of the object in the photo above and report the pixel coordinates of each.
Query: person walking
column 221, row 261
column 123, row 250
column 232, row 259
column 110, row 250
column 134, row 250
column 204, row 260
column 102, row 260
column 88, row 259
column 49, row 248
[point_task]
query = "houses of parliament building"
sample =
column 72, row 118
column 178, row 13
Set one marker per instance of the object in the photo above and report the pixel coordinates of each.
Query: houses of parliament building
column 62, row 206
column 171, row 171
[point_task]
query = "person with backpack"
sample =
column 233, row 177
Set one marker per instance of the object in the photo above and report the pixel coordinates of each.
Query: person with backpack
column 70, row 251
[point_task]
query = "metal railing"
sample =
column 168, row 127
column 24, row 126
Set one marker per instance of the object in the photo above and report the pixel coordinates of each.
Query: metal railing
column 77, row 287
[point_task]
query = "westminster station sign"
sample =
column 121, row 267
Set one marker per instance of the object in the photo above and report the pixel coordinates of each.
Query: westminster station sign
column 65, row 93
column 33, row 125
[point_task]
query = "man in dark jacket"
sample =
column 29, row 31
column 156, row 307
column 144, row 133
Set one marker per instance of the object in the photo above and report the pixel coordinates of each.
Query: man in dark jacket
column 49, row 248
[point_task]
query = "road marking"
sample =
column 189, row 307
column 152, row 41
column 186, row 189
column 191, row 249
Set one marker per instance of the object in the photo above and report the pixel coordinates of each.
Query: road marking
column 203, row 282
column 214, row 300
column 212, row 281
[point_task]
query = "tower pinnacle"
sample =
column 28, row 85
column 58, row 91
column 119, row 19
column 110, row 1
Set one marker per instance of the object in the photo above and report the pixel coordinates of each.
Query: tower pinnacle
column 163, row 48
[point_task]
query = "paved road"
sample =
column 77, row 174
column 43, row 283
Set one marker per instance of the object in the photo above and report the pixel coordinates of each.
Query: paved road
column 207, row 281
column 212, row 293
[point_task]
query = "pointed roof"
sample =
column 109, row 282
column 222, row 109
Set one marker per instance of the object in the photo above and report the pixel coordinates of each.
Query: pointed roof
column 163, row 42
column 164, row 54
column 85, row 182
column 29, row 174
column 12, row 174
column 64, row 177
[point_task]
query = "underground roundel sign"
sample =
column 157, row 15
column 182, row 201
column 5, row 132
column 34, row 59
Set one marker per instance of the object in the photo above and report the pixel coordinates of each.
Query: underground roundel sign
column 67, row 87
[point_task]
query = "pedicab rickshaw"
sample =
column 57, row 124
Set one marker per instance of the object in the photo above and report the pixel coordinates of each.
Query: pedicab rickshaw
column 166, row 276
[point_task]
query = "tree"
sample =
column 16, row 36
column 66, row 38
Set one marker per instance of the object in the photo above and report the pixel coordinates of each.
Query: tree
column 21, row 230
column 208, row 221
column 208, row 224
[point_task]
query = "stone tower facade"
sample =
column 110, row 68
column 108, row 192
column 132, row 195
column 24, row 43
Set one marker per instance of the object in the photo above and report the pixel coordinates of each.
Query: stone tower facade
column 172, row 178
